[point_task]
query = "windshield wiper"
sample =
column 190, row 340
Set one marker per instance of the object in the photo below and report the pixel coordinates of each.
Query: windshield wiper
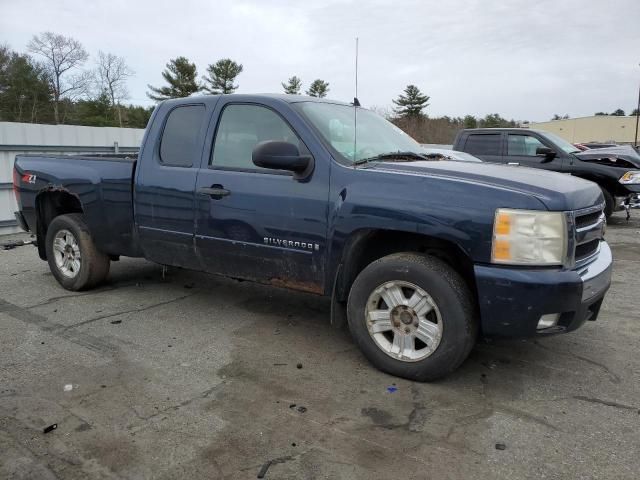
column 400, row 156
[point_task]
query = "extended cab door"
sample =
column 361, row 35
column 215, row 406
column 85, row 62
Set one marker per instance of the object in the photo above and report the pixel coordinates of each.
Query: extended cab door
column 485, row 145
column 164, row 202
column 522, row 147
column 256, row 223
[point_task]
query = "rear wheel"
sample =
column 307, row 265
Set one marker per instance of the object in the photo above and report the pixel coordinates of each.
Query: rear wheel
column 413, row 316
column 73, row 258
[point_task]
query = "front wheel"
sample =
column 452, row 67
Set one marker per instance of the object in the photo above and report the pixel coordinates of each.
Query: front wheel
column 73, row 258
column 609, row 203
column 412, row 316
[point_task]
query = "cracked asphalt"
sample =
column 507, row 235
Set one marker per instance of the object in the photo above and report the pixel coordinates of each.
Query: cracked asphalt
column 195, row 376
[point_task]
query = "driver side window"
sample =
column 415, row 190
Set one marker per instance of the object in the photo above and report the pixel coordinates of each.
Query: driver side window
column 523, row 145
column 240, row 129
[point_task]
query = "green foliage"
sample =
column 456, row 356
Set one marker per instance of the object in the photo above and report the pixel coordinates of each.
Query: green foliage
column 136, row 116
column 95, row 112
column 318, row 88
column 411, row 103
column 470, row 121
column 600, row 114
column 429, row 130
column 560, row 117
column 293, row 86
column 618, row 113
column 494, row 120
column 181, row 76
column 222, row 74
column 99, row 112
column 25, row 93
column 634, row 112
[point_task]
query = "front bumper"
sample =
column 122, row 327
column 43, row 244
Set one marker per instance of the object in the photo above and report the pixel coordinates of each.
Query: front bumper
column 512, row 300
column 633, row 201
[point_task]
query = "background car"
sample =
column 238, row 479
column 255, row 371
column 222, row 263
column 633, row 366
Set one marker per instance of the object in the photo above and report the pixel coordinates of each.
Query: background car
column 448, row 154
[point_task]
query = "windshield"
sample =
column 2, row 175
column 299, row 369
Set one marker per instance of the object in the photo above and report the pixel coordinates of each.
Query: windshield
column 561, row 142
column 375, row 135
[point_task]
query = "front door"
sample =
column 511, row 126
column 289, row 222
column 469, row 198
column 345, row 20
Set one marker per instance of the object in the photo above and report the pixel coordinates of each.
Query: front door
column 521, row 149
column 256, row 223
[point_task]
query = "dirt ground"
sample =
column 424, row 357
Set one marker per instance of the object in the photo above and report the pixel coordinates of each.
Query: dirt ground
column 194, row 376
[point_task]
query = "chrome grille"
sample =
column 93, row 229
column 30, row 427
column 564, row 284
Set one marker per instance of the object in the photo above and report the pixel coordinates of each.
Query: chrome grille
column 589, row 228
column 587, row 219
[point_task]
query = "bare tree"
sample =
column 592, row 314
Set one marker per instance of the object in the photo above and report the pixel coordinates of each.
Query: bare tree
column 62, row 54
column 111, row 77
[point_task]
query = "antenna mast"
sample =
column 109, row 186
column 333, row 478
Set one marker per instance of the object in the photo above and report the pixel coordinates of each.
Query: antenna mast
column 356, row 67
column 356, row 104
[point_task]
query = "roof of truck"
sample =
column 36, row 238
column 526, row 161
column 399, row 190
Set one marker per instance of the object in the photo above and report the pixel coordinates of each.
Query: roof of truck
column 253, row 97
column 502, row 129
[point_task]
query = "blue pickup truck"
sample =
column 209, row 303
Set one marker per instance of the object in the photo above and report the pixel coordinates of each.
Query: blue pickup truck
column 419, row 256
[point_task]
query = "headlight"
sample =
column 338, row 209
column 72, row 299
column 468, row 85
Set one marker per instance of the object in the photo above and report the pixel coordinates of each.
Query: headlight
column 630, row 177
column 529, row 237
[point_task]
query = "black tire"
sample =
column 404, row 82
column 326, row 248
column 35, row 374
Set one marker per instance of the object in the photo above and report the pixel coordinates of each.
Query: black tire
column 94, row 265
column 448, row 291
column 608, row 203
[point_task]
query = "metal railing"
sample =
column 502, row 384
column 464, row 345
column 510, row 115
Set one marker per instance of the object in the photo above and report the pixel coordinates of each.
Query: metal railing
column 69, row 148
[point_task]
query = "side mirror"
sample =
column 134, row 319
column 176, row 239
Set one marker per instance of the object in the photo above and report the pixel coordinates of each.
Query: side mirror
column 547, row 153
column 282, row 156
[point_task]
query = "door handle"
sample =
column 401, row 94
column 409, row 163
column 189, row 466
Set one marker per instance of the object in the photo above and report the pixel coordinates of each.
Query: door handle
column 215, row 191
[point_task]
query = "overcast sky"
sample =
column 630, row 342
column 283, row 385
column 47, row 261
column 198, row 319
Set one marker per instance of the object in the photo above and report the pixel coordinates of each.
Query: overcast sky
column 523, row 59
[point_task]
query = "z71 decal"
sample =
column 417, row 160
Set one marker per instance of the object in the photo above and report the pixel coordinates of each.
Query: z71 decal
column 28, row 178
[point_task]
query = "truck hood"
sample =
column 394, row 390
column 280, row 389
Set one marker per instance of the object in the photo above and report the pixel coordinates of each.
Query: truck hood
column 623, row 156
column 557, row 191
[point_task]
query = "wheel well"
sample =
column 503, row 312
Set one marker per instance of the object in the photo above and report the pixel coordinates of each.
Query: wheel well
column 49, row 205
column 607, row 184
column 368, row 246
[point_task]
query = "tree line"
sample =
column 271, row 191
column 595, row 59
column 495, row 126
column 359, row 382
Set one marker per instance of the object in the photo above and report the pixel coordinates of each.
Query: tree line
column 618, row 112
column 409, row 115
column 55, row 82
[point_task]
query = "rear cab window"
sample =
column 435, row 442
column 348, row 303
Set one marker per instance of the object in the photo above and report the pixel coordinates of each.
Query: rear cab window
column 483, row 144
column 180, row 144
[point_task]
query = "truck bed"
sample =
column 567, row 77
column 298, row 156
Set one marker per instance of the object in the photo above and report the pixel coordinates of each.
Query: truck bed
column 102, row 184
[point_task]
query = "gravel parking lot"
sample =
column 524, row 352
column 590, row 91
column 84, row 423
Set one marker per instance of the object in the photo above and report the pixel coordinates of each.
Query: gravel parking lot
column 194, row 376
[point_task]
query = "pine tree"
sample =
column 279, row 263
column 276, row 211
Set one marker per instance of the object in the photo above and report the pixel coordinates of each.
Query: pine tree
column 319, row 88
column 222, row 74
column 181, row 76
column 411, row 103
column 293, row 86
column 25, row 92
